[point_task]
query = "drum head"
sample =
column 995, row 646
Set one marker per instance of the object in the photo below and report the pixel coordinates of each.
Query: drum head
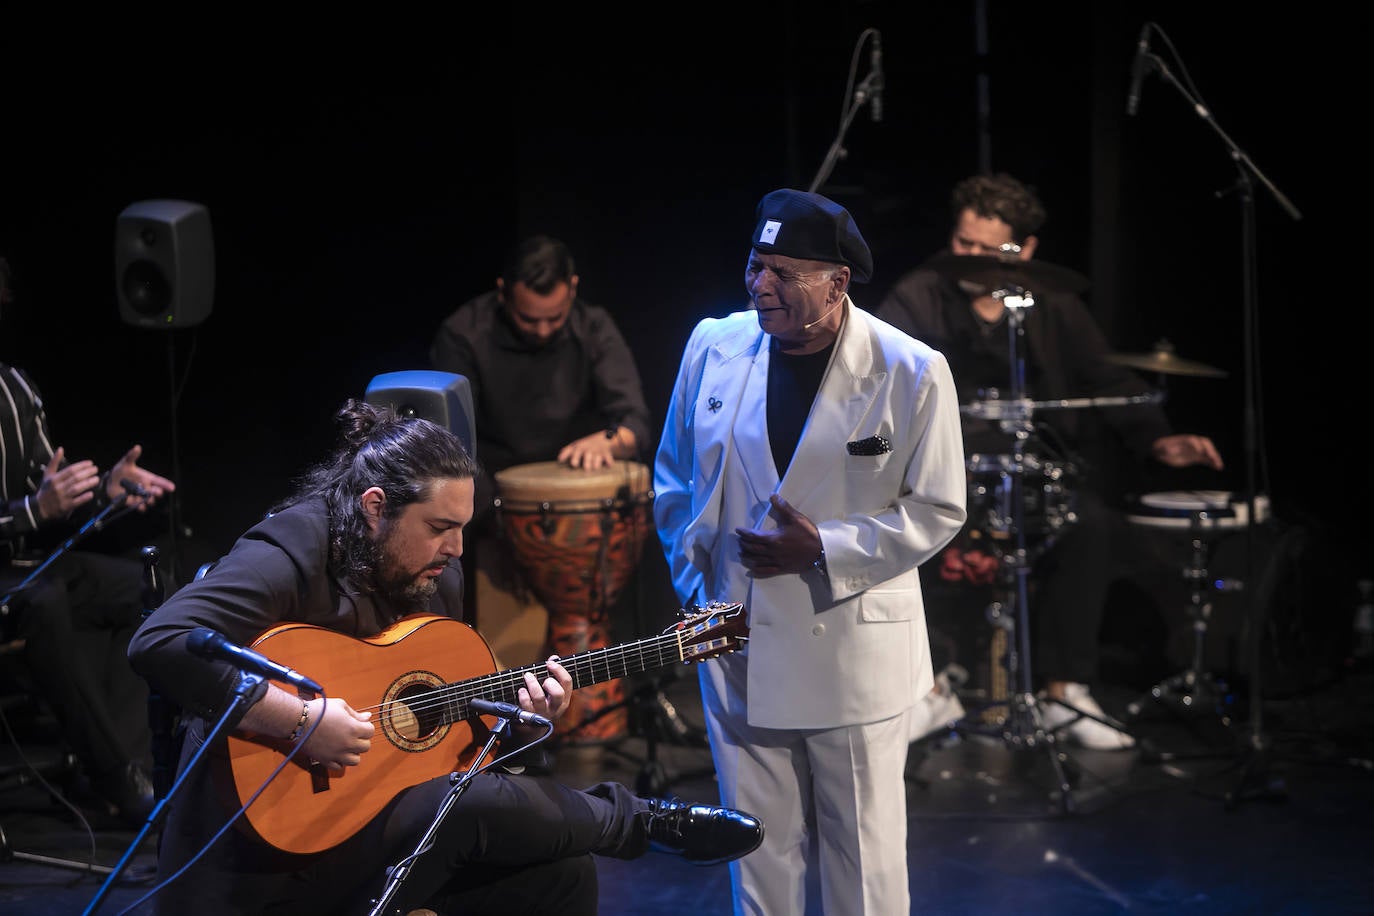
column 532, row 485
column 1184, row 502
column 1189, row 509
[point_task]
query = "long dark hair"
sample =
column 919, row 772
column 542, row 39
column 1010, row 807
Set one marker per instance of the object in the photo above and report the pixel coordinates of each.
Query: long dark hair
column 403, row 455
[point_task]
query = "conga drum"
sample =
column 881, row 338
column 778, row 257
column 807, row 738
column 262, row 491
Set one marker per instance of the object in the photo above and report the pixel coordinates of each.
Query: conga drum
column 577, row 536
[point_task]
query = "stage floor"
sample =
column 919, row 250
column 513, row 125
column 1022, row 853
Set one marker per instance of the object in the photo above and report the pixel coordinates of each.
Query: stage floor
column 1189, row 822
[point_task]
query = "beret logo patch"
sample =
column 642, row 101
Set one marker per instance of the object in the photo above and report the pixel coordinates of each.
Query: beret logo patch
column 769, row 235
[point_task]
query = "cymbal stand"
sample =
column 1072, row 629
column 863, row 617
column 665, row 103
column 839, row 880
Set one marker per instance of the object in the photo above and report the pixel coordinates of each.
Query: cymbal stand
column 1024, row 726
column 1193, row 688
column 1255, row 780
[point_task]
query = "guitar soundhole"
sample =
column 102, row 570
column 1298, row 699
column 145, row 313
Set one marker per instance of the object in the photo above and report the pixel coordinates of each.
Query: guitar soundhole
column 412, row 716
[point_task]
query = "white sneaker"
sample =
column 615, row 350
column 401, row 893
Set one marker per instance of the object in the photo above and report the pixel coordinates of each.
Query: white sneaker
column 1087, row 732
column 940, row 708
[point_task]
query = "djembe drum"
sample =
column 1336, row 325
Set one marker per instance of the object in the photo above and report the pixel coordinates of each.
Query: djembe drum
column 577, row 536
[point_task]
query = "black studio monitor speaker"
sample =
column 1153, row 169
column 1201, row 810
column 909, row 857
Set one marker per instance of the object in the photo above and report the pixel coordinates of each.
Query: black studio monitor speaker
column 164, row 264
column 444, row 398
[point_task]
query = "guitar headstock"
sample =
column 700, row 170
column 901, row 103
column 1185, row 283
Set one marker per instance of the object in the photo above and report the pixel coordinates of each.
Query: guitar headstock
column 716, row 629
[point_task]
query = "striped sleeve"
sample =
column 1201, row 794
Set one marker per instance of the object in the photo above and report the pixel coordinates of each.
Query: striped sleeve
column 25, row 450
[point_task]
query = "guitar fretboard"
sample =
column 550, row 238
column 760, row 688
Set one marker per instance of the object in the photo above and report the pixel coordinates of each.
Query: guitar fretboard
column 586, row 668
column 594, row 666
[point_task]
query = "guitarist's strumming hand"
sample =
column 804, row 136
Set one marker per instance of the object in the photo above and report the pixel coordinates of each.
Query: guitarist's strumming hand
column 340, row 740
column 343, row 737
column 549, row 699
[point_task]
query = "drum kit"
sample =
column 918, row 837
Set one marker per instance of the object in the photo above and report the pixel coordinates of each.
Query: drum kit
column 1021, row 501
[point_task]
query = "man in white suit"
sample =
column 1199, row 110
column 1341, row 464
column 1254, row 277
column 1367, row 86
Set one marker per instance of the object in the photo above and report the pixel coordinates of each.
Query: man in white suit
column 811, row 459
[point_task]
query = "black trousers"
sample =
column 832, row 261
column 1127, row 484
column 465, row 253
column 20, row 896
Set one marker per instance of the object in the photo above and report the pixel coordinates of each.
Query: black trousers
column 1068, row 586
column 76, row 620
column 511, row 844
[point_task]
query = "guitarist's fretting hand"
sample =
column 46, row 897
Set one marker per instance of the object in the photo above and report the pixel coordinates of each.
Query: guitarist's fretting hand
column 550, row 700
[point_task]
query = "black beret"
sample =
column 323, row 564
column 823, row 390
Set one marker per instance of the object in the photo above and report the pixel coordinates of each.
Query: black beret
column 805, row 225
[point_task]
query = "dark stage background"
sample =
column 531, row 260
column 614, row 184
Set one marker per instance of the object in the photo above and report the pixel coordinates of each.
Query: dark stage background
column 363, row 179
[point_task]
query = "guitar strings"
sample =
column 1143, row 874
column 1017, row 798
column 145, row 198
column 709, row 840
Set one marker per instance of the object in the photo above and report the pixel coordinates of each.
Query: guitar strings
column 583, row 667
column 506, row 684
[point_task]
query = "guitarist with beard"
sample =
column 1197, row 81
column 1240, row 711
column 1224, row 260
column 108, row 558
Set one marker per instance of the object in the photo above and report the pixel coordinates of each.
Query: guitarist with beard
column 366, row 553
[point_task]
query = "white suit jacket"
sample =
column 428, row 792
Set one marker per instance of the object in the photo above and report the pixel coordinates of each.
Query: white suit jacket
column 824, row 651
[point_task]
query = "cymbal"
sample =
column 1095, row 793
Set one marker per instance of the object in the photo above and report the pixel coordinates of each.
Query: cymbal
column 1023, row 408
column 995, row 272
column 1162, row 359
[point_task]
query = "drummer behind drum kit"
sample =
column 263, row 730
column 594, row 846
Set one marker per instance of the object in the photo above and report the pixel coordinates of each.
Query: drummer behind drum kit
column 1020, row 501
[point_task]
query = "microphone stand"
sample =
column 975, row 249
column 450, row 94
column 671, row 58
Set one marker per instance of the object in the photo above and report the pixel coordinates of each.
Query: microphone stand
column 1254, row 781
column 96, row 523
column 397, row 874
column 248, row 683
column 863, row 93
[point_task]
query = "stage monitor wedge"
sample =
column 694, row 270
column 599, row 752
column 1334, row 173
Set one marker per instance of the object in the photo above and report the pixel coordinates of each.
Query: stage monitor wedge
column 444, row 398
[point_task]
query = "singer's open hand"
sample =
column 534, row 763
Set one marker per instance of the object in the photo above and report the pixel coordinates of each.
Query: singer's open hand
column 154, row 486
column 63, row 489
column 792, row 547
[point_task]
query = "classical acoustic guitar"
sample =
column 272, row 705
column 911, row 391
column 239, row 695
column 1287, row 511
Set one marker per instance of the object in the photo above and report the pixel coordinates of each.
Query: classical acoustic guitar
column 418, row 678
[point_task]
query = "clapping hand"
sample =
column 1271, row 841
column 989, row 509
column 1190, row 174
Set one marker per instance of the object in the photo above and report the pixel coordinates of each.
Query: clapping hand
column 64, row 489
column 153, row 486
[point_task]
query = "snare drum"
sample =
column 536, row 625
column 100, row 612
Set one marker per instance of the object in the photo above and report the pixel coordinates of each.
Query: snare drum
column 1196, row 510
column 577, row 536
column 1046, row 493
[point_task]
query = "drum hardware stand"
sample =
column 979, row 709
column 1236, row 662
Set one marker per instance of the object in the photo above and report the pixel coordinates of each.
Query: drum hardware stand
column 1024, row 725
column 1193, row 688
column 1255, row 780
column 654, row 718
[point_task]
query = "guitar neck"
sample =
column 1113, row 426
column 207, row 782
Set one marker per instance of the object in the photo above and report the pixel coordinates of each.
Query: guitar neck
column 586, row 668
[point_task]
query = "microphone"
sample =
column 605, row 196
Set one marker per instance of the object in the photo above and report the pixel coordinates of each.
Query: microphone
column 809, row 326
column 508, row 711
column 875, row 75
column 132, row 488
column 1138, row 67
column 208, row 644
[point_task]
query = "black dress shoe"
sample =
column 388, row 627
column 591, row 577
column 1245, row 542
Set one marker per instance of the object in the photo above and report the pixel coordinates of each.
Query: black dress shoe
column 129, row 791
column 702, row 834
